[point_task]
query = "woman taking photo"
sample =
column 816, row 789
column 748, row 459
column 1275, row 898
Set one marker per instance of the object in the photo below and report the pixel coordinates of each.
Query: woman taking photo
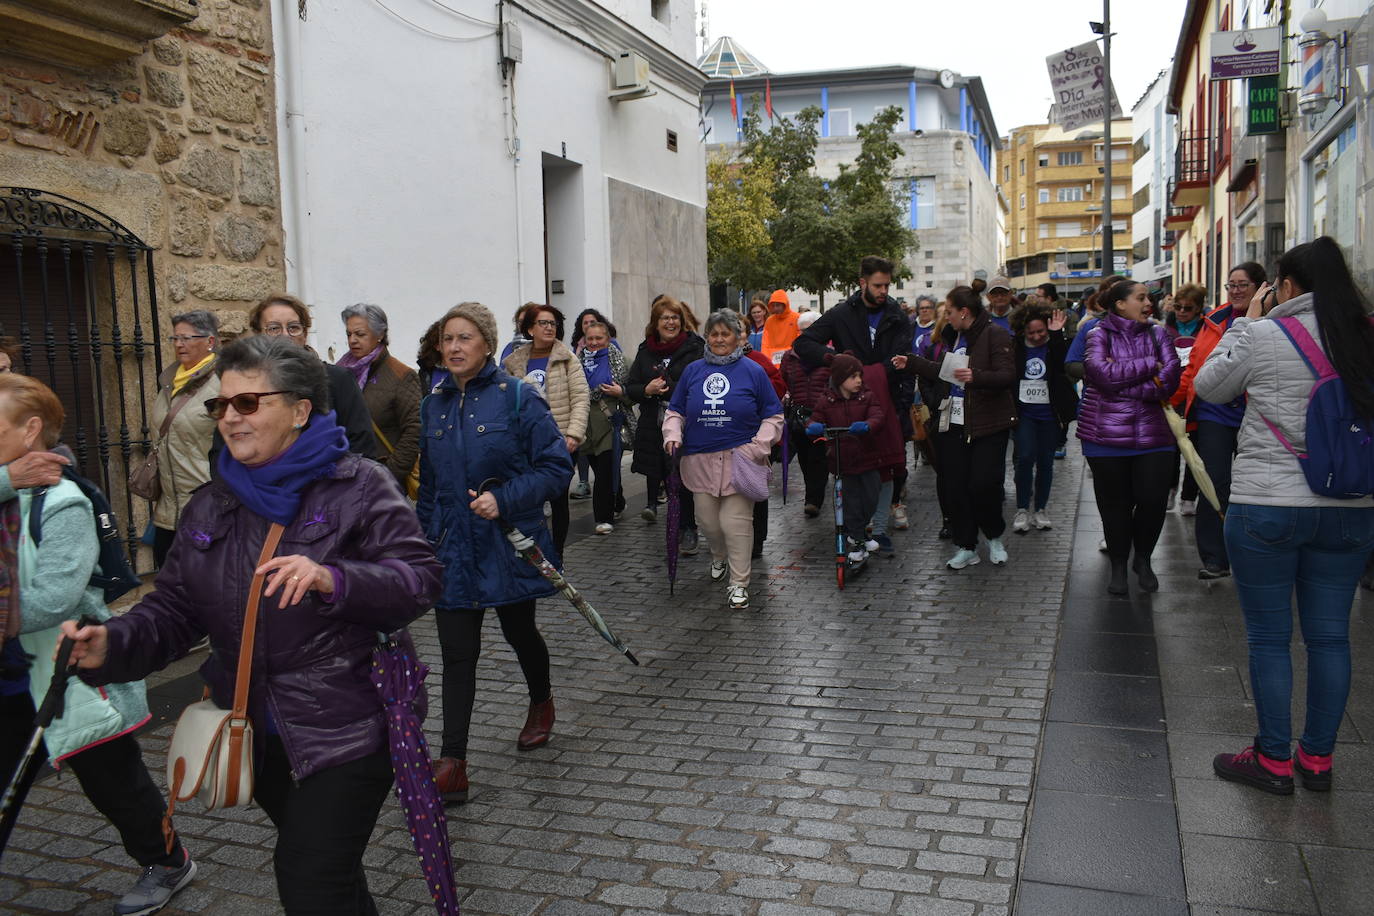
column 352, row 562
column 670, row 345
column 1046, row 404
column 1282, row 537
column 1130, row 370
column 547, row 363
column 50, row 583
column 606, row 370
column 183, row 459
column 724, row 415
column 481, row 424
column 390, row 388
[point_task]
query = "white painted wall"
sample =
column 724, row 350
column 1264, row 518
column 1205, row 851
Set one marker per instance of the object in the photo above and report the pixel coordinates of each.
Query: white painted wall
column 411, row 198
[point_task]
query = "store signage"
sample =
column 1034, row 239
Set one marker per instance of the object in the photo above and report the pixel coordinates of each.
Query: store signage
column 1078, row 78
column 1247, row 53
column 1089, row 274
column 1263, row 110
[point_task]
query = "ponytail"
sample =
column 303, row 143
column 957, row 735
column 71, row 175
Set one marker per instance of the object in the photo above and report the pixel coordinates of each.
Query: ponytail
column 1318, row 267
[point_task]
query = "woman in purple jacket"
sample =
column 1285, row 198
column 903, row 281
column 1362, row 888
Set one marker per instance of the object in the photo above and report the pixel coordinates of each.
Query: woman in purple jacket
column 1130, row 369
column 352, row 562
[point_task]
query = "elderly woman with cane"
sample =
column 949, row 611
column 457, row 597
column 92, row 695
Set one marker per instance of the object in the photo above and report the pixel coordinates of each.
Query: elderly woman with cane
column 351, row 562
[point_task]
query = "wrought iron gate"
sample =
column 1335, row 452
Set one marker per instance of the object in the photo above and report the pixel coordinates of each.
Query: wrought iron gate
column 77, row 293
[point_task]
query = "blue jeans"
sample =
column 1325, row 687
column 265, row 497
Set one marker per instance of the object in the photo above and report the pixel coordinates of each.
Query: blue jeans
column 1319, row 552
column 1036, row 441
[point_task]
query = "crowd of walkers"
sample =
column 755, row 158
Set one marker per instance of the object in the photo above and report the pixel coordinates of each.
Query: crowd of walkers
column 357, row 496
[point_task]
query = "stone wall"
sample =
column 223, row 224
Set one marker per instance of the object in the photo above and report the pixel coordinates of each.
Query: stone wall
column 658, row 245
column 178, row 143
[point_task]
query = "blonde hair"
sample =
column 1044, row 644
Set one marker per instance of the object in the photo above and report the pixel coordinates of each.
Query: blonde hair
column 28, row 397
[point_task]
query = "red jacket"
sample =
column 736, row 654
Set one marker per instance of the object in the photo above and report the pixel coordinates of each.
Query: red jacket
column 856, row 454
column 774, row 375
column 1209, row 334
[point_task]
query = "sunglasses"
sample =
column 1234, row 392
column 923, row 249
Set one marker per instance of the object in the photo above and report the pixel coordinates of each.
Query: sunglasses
column 244, row 404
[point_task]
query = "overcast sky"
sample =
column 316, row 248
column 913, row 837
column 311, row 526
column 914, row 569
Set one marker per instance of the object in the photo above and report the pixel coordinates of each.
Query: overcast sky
column 1003, row 41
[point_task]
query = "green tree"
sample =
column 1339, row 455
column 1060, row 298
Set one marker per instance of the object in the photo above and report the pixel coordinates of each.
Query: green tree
column 739, row 206
column 867, row 202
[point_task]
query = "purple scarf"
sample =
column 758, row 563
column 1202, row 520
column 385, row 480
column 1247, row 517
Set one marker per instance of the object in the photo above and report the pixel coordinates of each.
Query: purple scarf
column 273, row 490
column 358, row 365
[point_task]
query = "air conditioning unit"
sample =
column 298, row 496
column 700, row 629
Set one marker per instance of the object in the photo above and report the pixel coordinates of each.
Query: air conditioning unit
column 630, row 77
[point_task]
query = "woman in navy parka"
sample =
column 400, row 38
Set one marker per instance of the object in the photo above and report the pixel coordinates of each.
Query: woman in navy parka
column 481, row 423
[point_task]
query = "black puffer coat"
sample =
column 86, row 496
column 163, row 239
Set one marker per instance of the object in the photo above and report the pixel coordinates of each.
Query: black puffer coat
column 649, row 458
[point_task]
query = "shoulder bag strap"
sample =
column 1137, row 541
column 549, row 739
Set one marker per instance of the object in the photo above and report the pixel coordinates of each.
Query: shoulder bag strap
column 239, row 717
column 386, row 443
column 1308, row 349
column 177, row 403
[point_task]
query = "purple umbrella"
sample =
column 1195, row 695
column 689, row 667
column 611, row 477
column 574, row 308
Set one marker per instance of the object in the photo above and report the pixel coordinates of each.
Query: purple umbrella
column 786, row 459
column 674, row 517
column 399, row 676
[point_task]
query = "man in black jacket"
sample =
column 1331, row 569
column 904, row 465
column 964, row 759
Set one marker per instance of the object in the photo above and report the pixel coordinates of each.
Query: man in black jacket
column 872, row 327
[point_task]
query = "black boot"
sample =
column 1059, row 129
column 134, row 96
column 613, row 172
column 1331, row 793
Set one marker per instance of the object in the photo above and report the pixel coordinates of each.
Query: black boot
column 1117, row 585
column 1149, row 582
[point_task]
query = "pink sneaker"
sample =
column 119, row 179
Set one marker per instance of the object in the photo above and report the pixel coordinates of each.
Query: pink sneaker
column 1315, row 770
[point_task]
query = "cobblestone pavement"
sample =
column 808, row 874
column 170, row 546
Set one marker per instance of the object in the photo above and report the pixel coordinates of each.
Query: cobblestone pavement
column 865, row 751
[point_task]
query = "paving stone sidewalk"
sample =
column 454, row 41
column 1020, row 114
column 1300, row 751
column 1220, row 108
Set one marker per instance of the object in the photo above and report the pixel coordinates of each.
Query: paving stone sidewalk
column 869, row 751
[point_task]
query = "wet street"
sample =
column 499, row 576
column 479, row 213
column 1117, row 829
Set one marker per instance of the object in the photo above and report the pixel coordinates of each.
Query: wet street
column 989, row 741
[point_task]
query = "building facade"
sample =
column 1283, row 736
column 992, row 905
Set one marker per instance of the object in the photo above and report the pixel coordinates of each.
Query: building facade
column 139, row 169
column 1152, row 245
column 948, row 140
column 1053, row 182
column 546, row 151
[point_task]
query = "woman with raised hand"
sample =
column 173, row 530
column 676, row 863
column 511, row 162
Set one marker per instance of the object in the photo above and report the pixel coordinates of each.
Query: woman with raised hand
column 1284, row 539
column 352, row 562
column 1046, row 404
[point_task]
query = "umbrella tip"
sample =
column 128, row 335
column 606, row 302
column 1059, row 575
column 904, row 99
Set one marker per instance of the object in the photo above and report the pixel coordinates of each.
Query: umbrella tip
column 630, row 655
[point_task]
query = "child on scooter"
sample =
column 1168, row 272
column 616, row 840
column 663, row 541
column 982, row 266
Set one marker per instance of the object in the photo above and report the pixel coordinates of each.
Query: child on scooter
column 847, row 403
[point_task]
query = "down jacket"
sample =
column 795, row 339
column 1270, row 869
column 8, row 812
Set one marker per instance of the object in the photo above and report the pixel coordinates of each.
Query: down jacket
column 311, row 661
column 1130, row 369
column 471, row 434
column 1256, row 359
column 392, row 393
column 850, row 455
column 565, row 386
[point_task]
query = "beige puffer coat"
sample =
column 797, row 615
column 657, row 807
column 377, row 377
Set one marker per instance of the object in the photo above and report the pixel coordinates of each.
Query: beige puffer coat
column 565, row 386
column 183, row 462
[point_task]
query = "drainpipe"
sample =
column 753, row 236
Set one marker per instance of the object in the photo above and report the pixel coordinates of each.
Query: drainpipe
column 295, row 215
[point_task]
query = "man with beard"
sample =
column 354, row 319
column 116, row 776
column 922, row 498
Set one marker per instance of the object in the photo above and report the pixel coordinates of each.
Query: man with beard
column 870, row 326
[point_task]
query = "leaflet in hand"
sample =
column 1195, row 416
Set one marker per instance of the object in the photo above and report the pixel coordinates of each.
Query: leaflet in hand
column 951, row 362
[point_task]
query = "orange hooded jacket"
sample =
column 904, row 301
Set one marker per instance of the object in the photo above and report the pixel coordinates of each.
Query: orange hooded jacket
column 780, row 330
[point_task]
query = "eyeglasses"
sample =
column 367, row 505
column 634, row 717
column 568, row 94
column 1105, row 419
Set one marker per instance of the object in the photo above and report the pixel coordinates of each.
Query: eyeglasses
column 244, row 403
column 546, row 323
column 186, row 338
column 1236, row 286
column 291, row 330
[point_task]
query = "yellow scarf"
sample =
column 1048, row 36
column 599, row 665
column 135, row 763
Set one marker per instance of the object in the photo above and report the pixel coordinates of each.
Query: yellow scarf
column 184, row 375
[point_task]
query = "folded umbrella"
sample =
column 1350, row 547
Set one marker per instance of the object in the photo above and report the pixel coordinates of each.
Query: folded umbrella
column 527, row 548
column 1186, row 448
column 399, row 677
column 671, row 535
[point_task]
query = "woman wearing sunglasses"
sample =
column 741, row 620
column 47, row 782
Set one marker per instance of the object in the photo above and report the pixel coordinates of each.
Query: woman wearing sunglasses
column 352, row 562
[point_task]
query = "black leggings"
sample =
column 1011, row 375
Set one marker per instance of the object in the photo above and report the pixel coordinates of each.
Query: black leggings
column 607, row 500
column 1131, row 495
column 685, row 498
column 972, row 474
column 460, row 645
column 560, row 521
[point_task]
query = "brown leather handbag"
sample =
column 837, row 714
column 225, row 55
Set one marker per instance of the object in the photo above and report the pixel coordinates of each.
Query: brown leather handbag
column 144, row 478
column 211, row 754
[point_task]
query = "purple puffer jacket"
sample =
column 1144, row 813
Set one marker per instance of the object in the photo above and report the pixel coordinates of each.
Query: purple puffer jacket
column 1129, row 370
column 310, row 661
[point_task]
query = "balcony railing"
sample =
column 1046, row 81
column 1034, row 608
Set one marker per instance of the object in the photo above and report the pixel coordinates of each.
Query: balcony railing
column 1180, row 209
column 1193, row 157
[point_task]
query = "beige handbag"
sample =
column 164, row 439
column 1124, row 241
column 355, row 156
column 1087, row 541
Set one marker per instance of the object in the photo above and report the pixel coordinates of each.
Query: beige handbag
column 211, row 754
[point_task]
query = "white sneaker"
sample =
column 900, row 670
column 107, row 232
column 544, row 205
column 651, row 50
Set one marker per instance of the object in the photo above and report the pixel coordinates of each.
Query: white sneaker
column 963, row 558
column 997, row 553
column 899, row 519
column 1187, row 507
column 1021, row 522
column 738, row 597
column 1169, row 506
column 858, row 556
column 1102, row 545
column 718, row 571
column 870, row 546
column 605, row 528
column 1041, row 520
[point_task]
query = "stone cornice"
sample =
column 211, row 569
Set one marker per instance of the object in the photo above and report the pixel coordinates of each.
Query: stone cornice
column 81, row 34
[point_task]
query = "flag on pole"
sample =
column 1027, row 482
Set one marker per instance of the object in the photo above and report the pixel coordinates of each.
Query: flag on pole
column 734, row 103
column 768, row 97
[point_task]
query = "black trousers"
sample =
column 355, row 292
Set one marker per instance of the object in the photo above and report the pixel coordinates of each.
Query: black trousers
column 559, row 520
column 1216, row 445
column 811, row 460
column 606, row 500
column 973, row 476
column 323, row 823
column 760, row 524
column 860, row 502
column 460, row 645
column 1131, row 495
column 685, row 499
column 112, row 775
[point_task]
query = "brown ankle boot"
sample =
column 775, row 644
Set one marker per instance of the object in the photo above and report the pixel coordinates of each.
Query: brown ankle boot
column 451, row 776
column 538, row 726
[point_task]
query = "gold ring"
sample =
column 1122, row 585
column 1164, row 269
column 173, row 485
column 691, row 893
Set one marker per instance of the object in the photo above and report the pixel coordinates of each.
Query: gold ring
column 295, row 578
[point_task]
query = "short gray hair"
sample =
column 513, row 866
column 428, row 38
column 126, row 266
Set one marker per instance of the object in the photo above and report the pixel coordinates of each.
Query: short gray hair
column 728, row 317
column 290, row 368
column 201, row 321
column 372, row 314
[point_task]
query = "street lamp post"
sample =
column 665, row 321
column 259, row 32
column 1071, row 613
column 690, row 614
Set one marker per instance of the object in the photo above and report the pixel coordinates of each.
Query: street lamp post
column 1104, row 28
